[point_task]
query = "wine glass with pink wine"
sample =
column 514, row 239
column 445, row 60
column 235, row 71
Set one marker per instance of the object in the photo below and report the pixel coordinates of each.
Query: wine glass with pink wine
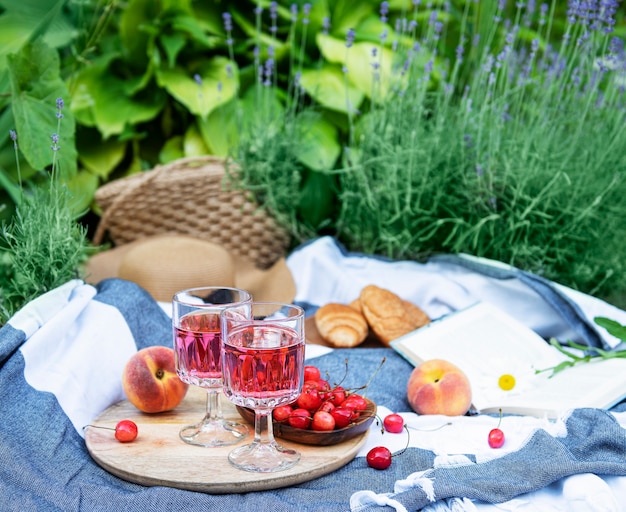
column 198, row 348
column 263, row 366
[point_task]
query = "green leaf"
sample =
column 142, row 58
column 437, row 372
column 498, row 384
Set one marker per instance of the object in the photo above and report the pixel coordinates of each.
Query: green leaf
column 82, row 189
column 171, row 150
column 317, row 146
column 348, row 14
column 193, row 144
column 35, row 87
column 100, row 157
column 613, row 327
column 218, row 86
column 172, row 44
column 138, row 25
column 219, row 130
column 26, row 20
column 330, row 88
column 196, row 31
column 101, row 100
column 359, row 61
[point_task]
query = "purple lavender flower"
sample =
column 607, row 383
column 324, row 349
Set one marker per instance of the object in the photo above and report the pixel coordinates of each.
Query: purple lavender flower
column 325, row 25
column 228, row 21
column 273, row 10
column 459, row 53
column 384, row 10
column 55, row 142
column 60, row 105
column 543, row 12
column 350, row 37
column 606, row 15
column 438, row 28
column 198, row 79
column 268, row 71
column 479, row 170
column 294, row 12
column 13, row 135
column 228, row 27
column 306, row 9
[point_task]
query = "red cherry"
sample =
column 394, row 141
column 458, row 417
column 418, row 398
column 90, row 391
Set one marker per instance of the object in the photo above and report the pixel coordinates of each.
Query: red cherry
column 323, row 387
column 311, row 373
column 323, row 421
column 379, row 457
column 356, row 402
column 309, row 399
column 393, row 423
column 342, row 415
column 281, row 413
column 326, row 406
column 300, row 418
column 126, row 431
column 337, row 395
column 496, row 438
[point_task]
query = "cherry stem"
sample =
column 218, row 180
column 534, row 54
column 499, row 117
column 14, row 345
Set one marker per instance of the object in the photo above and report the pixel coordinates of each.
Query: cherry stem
column 500, row 419
column 98, row 426
column 408, row 440
column 430, row 429
column 372, row 377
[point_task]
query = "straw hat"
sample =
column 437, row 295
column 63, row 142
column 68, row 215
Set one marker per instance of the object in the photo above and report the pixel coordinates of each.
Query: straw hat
column 166, row 264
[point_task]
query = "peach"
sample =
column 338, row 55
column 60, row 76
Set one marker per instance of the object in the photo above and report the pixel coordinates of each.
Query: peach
column 150, row 380
column 439, row 387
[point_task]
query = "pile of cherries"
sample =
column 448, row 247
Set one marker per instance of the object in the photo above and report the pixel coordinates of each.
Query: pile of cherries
column 320, row 406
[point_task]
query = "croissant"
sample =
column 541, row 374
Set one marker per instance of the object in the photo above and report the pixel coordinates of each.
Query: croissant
column 341, row 325
column 388, row 315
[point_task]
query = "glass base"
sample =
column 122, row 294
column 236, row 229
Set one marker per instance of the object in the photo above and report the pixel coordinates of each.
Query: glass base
column 214, row 433
column 263, row 457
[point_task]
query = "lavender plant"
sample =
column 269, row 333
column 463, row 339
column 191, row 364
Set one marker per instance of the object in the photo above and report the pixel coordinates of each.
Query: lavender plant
column 523, row 162
column 43, row 245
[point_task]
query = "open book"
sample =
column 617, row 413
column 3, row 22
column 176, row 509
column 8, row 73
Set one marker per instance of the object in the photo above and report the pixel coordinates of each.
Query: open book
column 487, row 343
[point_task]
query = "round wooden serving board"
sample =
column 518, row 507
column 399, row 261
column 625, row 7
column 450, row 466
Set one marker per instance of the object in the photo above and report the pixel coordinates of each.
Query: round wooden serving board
column 159, row 457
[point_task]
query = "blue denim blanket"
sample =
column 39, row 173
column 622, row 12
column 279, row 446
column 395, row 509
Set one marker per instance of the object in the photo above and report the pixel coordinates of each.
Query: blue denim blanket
column 80, row 338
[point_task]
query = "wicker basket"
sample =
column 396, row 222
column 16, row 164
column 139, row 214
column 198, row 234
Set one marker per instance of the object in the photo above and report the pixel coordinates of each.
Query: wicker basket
column 188, row 197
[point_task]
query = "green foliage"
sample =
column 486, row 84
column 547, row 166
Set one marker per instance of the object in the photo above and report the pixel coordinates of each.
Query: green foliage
column 511, row 150
column 394, row 143
column 44, row 248
column 578, row 354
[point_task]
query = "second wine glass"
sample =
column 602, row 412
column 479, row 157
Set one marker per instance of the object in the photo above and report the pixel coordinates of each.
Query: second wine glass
column 263, row 357
column 198, row 345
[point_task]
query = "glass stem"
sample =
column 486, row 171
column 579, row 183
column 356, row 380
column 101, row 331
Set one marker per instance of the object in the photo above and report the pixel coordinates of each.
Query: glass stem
column 263, row 427
column 213, row 406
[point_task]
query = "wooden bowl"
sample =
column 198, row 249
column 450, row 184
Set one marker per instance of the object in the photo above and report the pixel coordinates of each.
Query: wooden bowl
column 313, row 437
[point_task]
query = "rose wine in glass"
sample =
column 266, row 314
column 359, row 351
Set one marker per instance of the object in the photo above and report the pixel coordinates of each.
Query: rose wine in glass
column 263, row 367
column 198, row 349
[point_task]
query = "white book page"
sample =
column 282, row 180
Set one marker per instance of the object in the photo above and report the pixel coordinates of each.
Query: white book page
column 486, row 343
